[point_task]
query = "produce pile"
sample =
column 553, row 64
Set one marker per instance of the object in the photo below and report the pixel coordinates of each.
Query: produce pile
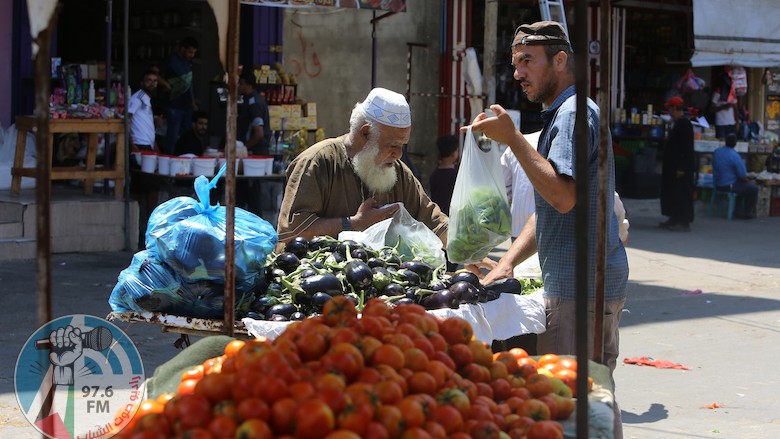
column 301, row 279
column 396, row 372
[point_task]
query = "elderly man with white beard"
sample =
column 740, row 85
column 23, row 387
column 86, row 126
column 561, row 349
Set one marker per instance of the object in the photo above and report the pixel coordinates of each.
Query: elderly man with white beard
column 351, row 182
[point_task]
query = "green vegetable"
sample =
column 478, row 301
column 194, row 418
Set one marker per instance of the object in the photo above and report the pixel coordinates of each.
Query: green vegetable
column 478, row 226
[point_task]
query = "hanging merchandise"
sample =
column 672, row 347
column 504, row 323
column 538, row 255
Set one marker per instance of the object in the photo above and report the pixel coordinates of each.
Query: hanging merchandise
column 689, row 82
column 739, row 80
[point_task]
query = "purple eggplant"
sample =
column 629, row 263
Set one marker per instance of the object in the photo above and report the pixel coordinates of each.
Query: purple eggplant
column 297, row 316
column 441, row 299
column 360, row 253
column 375, row 262
column 323, row 242
column 508, row 285
column 423, row 269
column 341, row 248
column 408, row 276
column 299, row 246
column 318, row 300
column 358, row 274
column 393, row 289
column 282, row 309
column 466, row 276
column 466, row 292
column 325, row 283
column 287, row 262
column 404, row 301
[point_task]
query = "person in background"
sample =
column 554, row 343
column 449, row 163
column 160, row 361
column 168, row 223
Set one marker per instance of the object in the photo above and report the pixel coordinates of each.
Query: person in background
column 139, row 107
column 724, row 103
column 196, row 140
column 177, row 80
column 353, row 181
column 729, row 175
column 677, row 176
column 773, row 161
column 442, row 179
column 519, row 189
column 253, row 126
column 544, row 66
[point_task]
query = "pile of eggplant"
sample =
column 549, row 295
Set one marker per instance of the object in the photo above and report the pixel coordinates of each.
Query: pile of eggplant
column 308, row 273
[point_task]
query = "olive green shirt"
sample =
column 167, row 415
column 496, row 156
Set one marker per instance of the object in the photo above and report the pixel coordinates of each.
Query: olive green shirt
column 322, row 183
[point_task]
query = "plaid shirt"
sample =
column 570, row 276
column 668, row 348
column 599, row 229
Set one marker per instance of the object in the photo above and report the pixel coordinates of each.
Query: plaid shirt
column 555, row 232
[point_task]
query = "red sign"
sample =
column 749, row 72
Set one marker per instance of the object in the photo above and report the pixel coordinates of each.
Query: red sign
column 379, row 5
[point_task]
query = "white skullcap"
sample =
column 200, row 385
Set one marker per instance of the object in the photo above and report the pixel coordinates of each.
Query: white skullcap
column 388, row 108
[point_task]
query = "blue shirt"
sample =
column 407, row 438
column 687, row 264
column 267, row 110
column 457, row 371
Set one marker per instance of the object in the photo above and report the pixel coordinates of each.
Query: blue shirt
column 555, row 232
column 727, row 167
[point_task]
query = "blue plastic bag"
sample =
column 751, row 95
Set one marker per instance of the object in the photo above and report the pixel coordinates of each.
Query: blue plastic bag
column 189, row 236
column 149, row 285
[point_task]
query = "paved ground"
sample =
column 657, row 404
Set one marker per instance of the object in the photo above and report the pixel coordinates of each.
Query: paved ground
column 727, row 335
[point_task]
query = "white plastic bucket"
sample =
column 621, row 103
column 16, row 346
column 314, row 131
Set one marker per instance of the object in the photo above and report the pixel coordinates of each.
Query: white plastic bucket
column 181, row 166
column 222, row 161
column 164, row 164
column 203, row 166
column 255, row 166
column 269, row 164
column 148, row 162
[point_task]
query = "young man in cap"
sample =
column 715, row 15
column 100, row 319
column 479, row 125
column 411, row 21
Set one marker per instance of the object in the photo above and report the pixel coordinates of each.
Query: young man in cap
column 677, row 176
column 544, row 66
column 349, row 182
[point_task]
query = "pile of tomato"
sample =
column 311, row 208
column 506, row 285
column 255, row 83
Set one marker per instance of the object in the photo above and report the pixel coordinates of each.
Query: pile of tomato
column 396, row 372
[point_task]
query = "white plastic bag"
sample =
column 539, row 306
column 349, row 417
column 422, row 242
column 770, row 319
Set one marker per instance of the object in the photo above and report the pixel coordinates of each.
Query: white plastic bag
column 412, row 238
column 479, row 212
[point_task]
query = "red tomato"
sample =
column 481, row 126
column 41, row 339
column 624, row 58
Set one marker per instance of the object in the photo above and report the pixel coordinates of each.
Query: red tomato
column 253, row 408
column 456, row 330
column 192, row 411
column 233, row 347
column 545, row 430
column 254, row 429
column 314, row 420
column 355, row 418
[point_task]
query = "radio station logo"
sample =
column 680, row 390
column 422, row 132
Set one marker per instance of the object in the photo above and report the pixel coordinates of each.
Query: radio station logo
column 79, row 377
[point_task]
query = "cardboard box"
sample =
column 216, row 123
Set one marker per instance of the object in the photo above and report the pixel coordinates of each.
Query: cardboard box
column 310, row 109
column 311, row 122
column 286, row 111
column 275, row 111
column 295, row 111
column 293, row 123
column 276, row 123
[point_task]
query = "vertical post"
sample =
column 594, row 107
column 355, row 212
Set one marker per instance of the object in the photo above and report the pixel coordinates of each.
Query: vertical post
column 489, row 62
column 43, row 170
column 373, row 50
column 231, row 67
column 126, row 85
column 605, row 27
column 109, row 31
column 582, row 142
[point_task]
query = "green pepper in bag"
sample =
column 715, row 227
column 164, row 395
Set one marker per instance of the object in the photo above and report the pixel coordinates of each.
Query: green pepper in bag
column 479, row 212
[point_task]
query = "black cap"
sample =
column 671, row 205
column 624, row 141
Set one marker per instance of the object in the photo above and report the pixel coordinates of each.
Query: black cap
column 540, row 33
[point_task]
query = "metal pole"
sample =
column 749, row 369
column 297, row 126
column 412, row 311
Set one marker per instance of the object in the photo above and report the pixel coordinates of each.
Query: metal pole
column 373, row 50
column 43, row 170
column 489, row 64
column 581, row 135
column 126, row 85
column 605, row 35
column 230, row 155
column 109, row 31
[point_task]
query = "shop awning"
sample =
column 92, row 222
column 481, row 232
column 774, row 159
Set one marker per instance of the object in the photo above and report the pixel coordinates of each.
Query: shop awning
column 745, row 33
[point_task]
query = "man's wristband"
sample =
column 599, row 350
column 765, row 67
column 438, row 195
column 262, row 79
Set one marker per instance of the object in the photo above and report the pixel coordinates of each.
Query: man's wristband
column 345, row 224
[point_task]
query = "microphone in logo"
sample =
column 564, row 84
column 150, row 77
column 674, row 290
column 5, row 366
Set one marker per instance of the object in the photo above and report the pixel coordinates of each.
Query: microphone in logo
column 97, row 339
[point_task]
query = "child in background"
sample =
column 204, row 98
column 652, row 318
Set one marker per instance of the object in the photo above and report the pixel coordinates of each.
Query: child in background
column 442, row 180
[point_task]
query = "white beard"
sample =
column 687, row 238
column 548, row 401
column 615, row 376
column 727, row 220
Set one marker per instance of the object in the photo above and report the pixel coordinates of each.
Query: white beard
column 378, row 179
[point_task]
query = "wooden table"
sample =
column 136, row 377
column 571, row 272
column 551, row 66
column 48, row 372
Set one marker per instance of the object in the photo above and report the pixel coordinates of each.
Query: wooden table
column 89, row 172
